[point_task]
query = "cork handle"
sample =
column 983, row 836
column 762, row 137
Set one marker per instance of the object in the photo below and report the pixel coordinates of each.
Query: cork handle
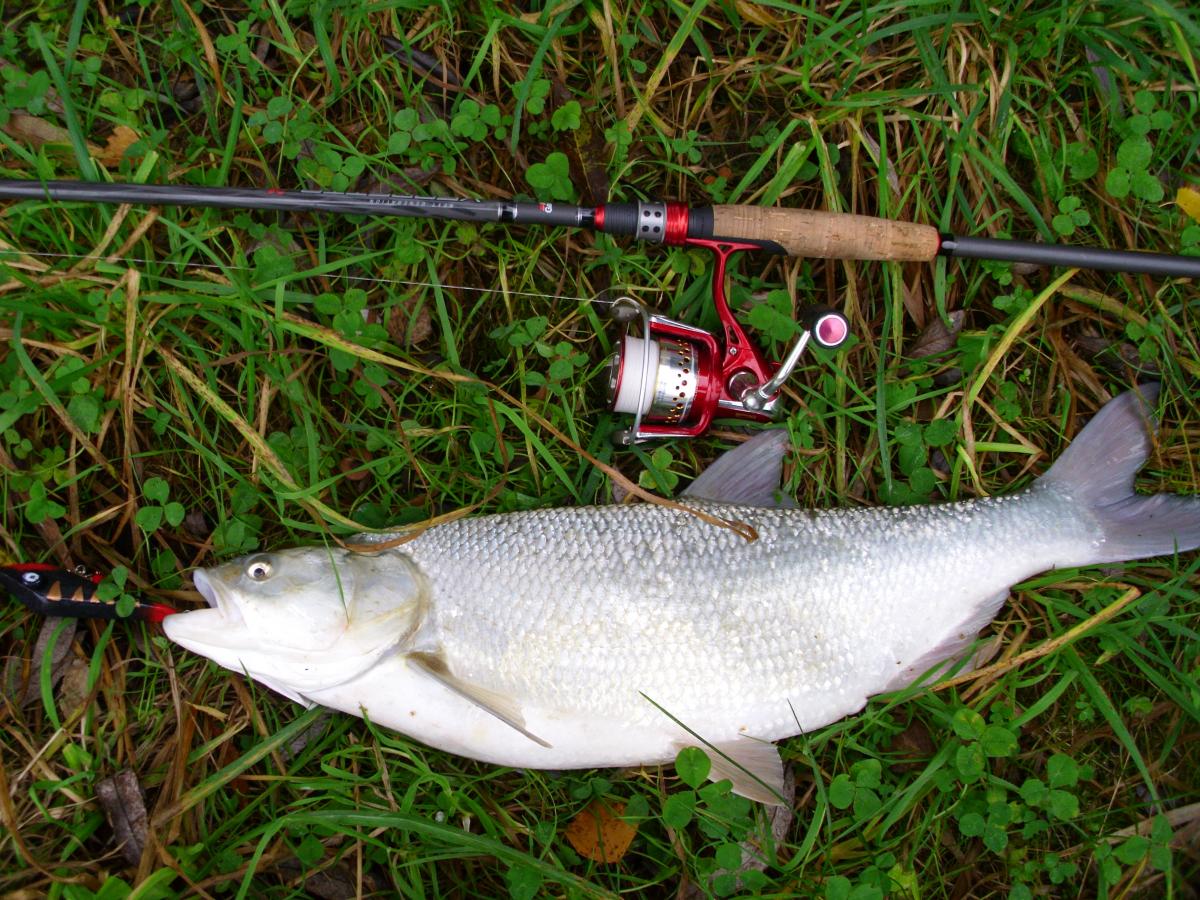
column 803, row 232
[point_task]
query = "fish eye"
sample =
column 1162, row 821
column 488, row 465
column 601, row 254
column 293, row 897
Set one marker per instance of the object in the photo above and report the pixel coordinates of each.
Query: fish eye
column 258, row 569
column 30, row 577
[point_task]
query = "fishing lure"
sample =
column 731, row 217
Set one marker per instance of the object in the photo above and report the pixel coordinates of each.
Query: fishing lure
column 51, row 591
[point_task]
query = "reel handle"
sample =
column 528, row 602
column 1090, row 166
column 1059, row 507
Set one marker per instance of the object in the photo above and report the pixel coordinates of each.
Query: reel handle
column 825, row 328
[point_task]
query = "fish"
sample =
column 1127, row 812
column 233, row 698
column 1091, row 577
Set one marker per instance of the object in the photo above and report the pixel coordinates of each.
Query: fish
column 615, row 636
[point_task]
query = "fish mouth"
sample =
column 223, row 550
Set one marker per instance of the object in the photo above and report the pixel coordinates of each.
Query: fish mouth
column 216, row 597
column 214, row 632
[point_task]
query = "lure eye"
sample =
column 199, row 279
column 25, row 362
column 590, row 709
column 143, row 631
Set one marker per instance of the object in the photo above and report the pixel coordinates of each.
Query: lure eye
column 258, row 569
column 30, row 577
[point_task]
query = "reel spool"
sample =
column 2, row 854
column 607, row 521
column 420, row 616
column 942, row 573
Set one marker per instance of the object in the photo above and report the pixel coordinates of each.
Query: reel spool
column 676, row 378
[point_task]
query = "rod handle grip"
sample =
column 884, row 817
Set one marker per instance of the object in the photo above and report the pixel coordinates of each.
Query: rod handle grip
column 827, row 235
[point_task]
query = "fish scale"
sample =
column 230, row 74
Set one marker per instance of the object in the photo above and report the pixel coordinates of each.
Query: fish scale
column 614, row 636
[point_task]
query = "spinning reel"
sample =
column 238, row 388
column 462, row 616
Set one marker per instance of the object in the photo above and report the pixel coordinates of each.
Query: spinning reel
column 676, row 378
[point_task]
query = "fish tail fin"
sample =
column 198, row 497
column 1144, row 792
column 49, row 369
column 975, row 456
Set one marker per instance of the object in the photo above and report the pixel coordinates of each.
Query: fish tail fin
column 1097, row 471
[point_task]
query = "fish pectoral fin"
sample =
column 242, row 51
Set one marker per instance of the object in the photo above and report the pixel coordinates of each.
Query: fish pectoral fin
column 754, row 768
column 500, row 706
column 280, row 688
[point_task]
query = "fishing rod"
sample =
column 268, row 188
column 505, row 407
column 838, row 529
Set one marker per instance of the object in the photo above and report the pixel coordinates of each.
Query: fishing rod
column 675, row 378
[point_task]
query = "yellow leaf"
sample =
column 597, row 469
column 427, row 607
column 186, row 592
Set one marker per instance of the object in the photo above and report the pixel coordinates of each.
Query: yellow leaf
column 122, row 138
column 758, row 15
column 599, row 833
column 1189, row 201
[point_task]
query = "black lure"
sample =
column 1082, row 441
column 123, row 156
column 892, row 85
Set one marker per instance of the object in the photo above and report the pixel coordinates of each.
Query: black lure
column 51, row 591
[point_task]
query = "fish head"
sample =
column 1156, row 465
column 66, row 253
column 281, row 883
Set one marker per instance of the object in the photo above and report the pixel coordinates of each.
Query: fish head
column 303, row 619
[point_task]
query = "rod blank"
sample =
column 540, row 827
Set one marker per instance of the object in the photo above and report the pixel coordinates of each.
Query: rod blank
column 1163, row 265
column 406, row 205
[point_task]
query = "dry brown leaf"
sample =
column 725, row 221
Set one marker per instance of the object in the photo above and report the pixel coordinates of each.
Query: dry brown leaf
column 937, row 337
column 58, row 660
column 73, row 690
column 336, row 882
column 1115, row 356
column 599, row 833
column 350, row 465
column 122, row 138
column 409, row 323
column 38, row 132
column 912, row 745
column 586, row 149
column 121, row 797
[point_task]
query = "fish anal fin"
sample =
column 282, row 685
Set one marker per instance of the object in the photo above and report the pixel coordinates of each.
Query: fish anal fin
column 950, row 649
column 754, row 768
column 497, row 704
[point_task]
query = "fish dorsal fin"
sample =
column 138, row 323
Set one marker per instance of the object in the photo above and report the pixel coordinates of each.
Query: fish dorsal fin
column 747, row 475
column 753, row 767
column 500, row 706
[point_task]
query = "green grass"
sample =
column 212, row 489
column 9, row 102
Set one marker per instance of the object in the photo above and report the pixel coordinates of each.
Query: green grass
column 211, row 386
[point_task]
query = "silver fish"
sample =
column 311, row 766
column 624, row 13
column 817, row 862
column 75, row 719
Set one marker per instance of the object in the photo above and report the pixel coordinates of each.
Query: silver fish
column 616, row 635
